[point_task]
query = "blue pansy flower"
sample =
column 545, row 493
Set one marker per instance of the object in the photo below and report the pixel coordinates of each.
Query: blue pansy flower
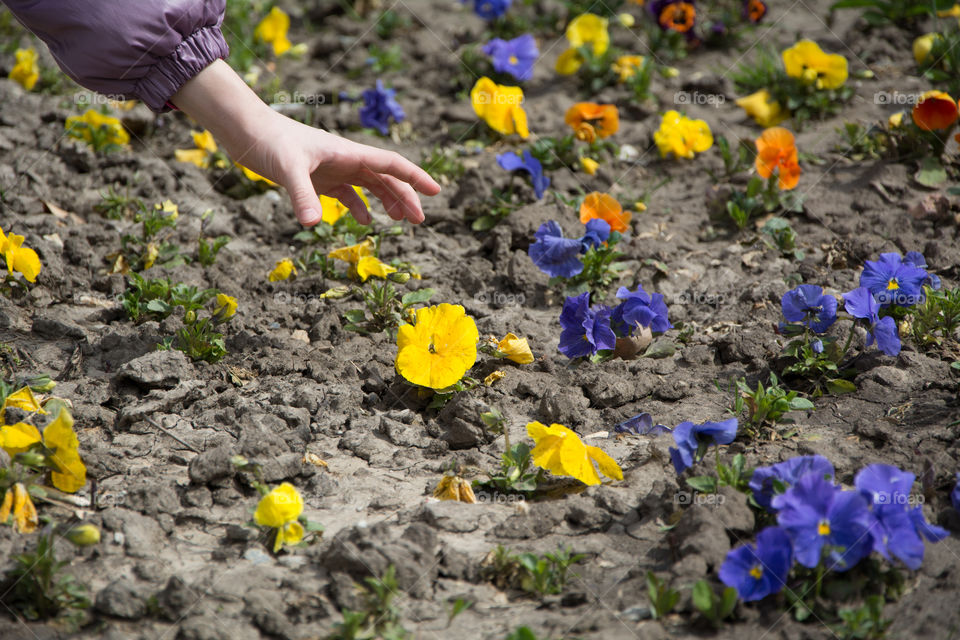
column 641, row 425
column 585, row 330
column 893, row 280
column 693, row 439
column 916, row 259
column 598, row 232
column 640, row 308
column 379, row 105
column 768, row 481
column 757, row 571
column 821, row 518
column 490, row 9
column 899, row 529
column 554, row 254
column 515, row 57
column 513, row 162
column 861, row 304
column 810, row 306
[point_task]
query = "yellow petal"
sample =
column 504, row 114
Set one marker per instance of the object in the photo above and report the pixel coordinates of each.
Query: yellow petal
column 569, row 62
column 225, row 306
column 290, row 533
column 608, row 466
column 516, row 349
column 280, row 506
column 576, row 463
column 354, row 252
column 23, row 398
column 17, row 438
column 72, row 474
column 283, row 270
column 589, row 165
column 24, row 512
column 7, row 505
column 370, row 266
column 197, row 157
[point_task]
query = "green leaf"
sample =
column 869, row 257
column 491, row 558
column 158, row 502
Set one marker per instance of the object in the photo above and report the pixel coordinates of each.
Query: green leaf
column 355, row 315
column 485, row 223
column 159, row 306
column 841, row 386
column 728, row 600
column 703, row 484
column 931, row 173
column 417, row 297
column 703, row 598
column 660, row 348
column 801, row 404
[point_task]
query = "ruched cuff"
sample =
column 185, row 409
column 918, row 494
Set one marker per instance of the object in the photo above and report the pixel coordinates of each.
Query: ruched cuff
column 193, row 55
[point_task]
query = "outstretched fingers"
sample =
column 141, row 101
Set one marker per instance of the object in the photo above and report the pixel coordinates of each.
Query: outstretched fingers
column 379, row 161
column 399, row 199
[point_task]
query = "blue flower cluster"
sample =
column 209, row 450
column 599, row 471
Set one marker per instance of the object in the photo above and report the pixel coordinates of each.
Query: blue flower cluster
column 379, row 106
column 820, row 522
column 559, row 256
column 891, row 280
column 587, row 330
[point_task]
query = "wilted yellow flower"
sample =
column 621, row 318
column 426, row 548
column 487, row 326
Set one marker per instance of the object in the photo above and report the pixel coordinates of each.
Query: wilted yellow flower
column 500, row 107
column 354, row 252
column 22, row 398
column 626, row 66
column 682, row 136
column 25, row 71
column 84, row 535
column 439, row 348
column 333, row 209
column 205, row 145
column 93, row 127
column 280, row 509
column 371, row 266
column 493, row 377
column 561, row 452
column 454, row 488
column 806, row 60
column 516, row 349
column 225, row 306
column 17, row 500
column 283, row 270
column 19, row 259
column 761, row 106
column 273, row 30
column 589, row 165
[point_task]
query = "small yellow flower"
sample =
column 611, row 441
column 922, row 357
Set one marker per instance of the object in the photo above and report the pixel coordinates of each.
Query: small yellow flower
column 439, row 348
column 589, row 29
column 200, row 156
column 354, row 252
column 493, row 377
column 59, row 437
column 626, row 67
column 371, row 266
column 682, row 136
column 283, row 270
column 761, row 106
column 19, row 259
column 806, row 60
column 515, row 349
column 454, row 488
column 93, row 124
column 333, row 209
column 273, row 30
column 225, row 306
column 280, row 510
column 25, row 71
column 561, row 452
column 500, row 107
column 589, row 165
column 17, row 500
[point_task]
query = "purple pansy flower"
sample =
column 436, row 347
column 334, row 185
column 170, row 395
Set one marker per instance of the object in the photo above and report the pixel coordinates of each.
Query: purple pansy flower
column 757, row 571
column 893, row 280
column 764, row 481
column 515, row 57
column 513, row 162
column 640, row 308
column 585, row 330
column 810, row 306
column 693, row 439
column 554, row 254
column 379, row 105
column 861, row 304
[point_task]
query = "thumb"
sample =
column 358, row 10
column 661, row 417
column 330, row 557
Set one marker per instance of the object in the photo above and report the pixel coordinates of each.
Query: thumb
column 306, row 205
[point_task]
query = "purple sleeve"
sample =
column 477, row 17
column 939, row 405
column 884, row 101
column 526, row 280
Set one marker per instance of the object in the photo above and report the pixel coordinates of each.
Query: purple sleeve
column 143, row 49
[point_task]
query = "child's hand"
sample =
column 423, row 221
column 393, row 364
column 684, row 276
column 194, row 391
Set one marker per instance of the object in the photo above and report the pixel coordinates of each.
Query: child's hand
column 305, row 160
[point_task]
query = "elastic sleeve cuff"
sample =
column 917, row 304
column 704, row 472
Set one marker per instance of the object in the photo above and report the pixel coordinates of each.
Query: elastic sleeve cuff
column 193, row 55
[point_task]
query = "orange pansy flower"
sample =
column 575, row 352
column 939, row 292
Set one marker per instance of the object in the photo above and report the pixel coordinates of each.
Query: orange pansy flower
column 605, row 207
column 589, row 120
column 777, row 150
column 678, row 16
column 935, row 110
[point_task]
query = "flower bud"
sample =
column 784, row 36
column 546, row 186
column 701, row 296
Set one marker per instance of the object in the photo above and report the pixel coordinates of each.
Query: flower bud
column 336, row 293
column 30, row 459
column 84, row 535
column 399, row 276
column 190, row 317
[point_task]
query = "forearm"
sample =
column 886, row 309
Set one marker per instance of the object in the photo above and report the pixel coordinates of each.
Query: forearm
column 221, row 102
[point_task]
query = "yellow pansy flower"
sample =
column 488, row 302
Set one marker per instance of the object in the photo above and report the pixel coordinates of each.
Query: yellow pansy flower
column 200, row 156
column 500, row 107
column 20, row 259
column 17, row 500
column 59, row 437
column 273, row 30
column 354, row 252
column 765, row 111
column 626, row 66
column 280, row 510
column 94, row 124
column 952, row 12
column 439, row 348
column 806, row 60
column 22, row 398
column 516, row 349
column 561, row 452
column 589, row 165
column 682, row 136
column 569, row 62
column 589, row 29
column 283, row 270
column 371, row 266
column 225, row 306
column 333, row 209
column 454, row 488
column 25, row 71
